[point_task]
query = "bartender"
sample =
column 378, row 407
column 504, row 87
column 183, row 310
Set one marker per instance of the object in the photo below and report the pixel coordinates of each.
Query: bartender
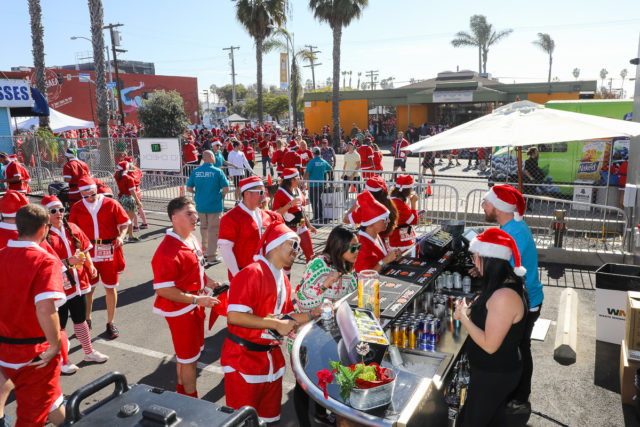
column 403, row 237
column 373, row 218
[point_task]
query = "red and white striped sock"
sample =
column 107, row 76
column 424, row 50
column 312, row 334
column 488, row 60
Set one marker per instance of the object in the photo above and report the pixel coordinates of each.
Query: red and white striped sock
column 82, row 334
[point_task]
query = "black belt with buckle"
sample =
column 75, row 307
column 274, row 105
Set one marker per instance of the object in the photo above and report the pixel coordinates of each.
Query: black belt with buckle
column 36, row 340
column 102, row 241
column 249, row 345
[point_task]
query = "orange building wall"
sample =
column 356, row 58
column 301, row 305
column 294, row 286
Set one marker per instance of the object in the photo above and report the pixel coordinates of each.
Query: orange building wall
column 541, row 98
column 352, row 111
column 418, row 115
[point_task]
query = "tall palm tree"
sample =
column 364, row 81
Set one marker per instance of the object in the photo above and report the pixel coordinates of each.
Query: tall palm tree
column 603, row 75
column 37, row 43
column 482, row 36
column 350, row 72
column 96, row 15
column 623, row 75
column 338, row 14
column 310, row 57
column 344, row 80
column 546, row 43
column 576, row 73
column 259, row 18
column 358, row 85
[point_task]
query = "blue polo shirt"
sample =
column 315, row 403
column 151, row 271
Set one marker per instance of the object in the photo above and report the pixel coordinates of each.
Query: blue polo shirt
column 208, row 182
column 520, row 232
column 316, row 169
column 219, row 159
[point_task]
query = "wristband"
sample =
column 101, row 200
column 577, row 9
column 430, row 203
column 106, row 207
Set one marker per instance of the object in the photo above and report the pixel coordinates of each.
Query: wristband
column 381, row 263
column 195, row 300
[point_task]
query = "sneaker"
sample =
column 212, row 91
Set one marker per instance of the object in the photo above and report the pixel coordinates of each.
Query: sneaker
column 134, row 239
column 112, row 331
column 136, row 228
column 96, row 357
column 69, row 369
column 144, row 226
column 433, row 181
column 516, row 407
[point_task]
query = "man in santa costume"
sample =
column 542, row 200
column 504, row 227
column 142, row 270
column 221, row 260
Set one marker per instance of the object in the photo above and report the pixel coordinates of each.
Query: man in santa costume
column 15, row 175
column 278, row 155
column 9, row 205
column 241, row 229
column 30, row 341
column 366, row 159
column 506, row 206
column 405, row 200
column 105, row 223
column 179, row 280
column 72, row 171
column 259, row 298
column 400, row 156
column 264, row 145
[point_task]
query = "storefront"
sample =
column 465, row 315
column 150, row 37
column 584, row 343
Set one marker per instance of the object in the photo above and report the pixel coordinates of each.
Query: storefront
column 13, row 94
column 450, row 99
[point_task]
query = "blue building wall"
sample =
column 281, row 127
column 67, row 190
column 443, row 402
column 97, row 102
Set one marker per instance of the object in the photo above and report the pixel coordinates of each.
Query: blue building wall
column 5, row 131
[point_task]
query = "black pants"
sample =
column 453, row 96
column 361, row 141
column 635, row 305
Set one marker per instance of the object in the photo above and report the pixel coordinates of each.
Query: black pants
column 301, row 403
column 315, row 194
column 347, row 187
column 523, row 390
column 77, row 307
column 487, row 398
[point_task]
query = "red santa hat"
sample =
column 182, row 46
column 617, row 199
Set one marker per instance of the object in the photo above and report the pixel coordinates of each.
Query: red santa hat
column 276, row 234
column 252, row 181
column 128, row 159
column 505, row 198
column 13, row 158
column 289, row 173
column 368, row 210
column 50, row 201
column 11, row 202
column 103, row 188
column 496, row 243
column 404, row 181
column 123, row 166
column 376, row 183
column 86, row 183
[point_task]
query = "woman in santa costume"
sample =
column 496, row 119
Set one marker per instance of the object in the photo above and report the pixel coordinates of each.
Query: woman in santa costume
column 289, row 202
column 179, row 280
column 403, row 237
column 259, row 298
column 105, row 223
column 373, row 218
column 136, row 173
column 378, row 189
column 72, row 246
column 127, row 196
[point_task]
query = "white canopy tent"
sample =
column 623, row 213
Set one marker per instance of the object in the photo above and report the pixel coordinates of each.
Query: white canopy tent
column 525, row 123
column 59, row 122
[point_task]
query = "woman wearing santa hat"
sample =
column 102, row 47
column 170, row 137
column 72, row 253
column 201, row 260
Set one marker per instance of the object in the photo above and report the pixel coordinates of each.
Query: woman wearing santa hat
column 136, row 174
column 72, row 246
column 378, row 189
column 127, row 196
column 373, row 218
column 403, row 237
column 496, row 322
column 289, row 202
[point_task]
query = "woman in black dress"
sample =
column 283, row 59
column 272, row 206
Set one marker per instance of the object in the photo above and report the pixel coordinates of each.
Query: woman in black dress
column 495, row 321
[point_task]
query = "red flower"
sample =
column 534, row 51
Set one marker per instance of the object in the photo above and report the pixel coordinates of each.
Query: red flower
column 324, row 377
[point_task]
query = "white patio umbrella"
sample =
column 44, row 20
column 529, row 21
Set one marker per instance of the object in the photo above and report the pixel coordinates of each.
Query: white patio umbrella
column 526, row 123
column 59, row 122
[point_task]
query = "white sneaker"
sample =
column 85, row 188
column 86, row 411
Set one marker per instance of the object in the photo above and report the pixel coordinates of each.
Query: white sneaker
column 96, row 357
column 69, row 369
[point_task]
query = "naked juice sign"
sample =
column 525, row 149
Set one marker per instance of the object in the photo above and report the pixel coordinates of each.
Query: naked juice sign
column 594, row 154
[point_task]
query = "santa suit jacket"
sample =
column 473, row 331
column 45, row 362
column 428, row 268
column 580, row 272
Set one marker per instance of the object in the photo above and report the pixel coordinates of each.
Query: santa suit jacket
column 371, row 252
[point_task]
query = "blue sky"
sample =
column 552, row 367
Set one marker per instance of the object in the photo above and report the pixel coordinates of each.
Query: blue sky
column 400, row 38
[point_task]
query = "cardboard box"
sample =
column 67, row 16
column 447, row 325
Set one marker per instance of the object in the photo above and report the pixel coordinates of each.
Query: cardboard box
column 628, row 370
column 632, row 324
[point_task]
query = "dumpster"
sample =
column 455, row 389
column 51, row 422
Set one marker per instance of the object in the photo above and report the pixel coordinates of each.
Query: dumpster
column 612, row 283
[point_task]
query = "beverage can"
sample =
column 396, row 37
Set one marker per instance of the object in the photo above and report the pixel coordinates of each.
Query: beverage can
column 413, row 336
column 402, row 336
column 395, row 329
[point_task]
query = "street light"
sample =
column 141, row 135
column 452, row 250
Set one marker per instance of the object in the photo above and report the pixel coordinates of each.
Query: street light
column 106, row 48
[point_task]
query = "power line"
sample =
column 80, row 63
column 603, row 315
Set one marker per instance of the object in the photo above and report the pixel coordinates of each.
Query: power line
column 115, row 41
column 233, row 72
column 372, row 74
column 313, row 64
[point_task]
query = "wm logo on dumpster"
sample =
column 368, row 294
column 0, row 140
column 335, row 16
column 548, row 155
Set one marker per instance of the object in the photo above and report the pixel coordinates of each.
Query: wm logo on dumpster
column 616, row 312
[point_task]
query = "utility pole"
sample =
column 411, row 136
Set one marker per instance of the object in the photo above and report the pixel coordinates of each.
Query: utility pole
column 206, row 92
column 115, row 43
column 233, row 72
column 313, row 64
column 633, row 175
column 371, row 74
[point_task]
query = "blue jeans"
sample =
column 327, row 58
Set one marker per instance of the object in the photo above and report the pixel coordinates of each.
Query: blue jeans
column 315, row 194
column 266, row 160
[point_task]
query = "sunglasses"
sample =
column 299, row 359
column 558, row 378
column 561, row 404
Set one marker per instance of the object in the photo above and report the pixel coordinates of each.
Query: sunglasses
column 90, row 195
column 260, row 192
column 55, row 211
column 295, row 245
column 355, row 248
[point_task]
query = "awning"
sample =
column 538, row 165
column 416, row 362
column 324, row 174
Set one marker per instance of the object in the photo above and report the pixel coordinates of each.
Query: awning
column 40, row 106
column 58, row 122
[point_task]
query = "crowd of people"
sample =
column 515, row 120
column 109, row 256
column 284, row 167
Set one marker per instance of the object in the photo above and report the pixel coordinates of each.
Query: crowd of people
column 258, row 239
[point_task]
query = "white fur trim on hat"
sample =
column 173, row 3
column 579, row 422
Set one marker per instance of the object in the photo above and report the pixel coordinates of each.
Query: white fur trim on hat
column 9, row 215
column 490, row 250
column 291, row 175
column 366, row 187
column 520, row 271
column 499, row 204
column 376, row 219
column 54, row 203
column 402, row 187
column 251, row 185
column 280, row 240
column 87, row 187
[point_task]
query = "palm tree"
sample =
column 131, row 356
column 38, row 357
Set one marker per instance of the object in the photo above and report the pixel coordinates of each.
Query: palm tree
column 623, row 75
column 344, row 79
column 338, row 14
column 546, row 43
column 96, row 15
column 358, row 85
column 603, row 75
column 482, row 36
column 309, row 56
column 576, row 73
column 259, row 18
column 37, row 43
column 350, row 72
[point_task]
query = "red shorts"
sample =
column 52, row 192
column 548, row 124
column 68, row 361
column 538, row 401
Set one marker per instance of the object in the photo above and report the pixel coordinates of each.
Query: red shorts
column 187, row 332
column 263, row 397
column 36, row 391
column 107, row 274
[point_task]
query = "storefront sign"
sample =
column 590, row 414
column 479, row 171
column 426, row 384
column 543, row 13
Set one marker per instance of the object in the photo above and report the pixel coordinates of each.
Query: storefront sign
column 284, row 81
column 452, row 96
column 15, row 93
